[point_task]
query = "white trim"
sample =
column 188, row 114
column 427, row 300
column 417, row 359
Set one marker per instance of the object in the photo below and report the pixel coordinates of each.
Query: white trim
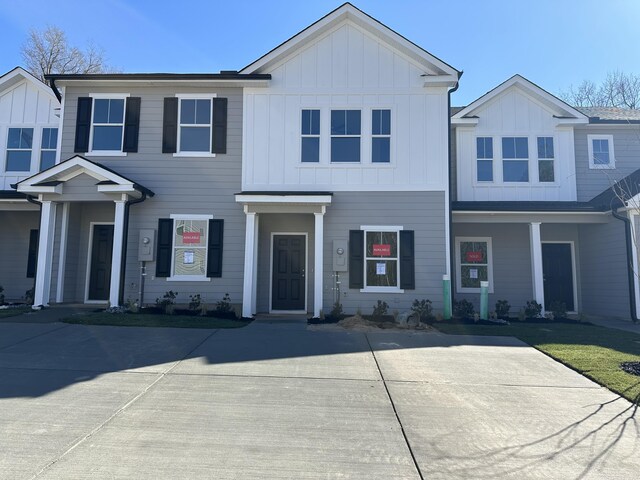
column 306, row 270
column 318, row 263
column 188, row 278
column 375, row 229
column 633, row 216
column 107, row 96
column 612, row 158
column 382, row 228
column 574, row 273
column 194, row 96
column 42, row 289
column 488, row 241
column 249, row 282
column 382, row 289
column 116, row 254
column 537, row 279
column 284, row 199
column 186, row 216
column 88, row 269
column 62, row 259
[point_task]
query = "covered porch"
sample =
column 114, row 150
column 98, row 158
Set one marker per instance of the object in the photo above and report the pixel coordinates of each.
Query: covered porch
column 82, row 231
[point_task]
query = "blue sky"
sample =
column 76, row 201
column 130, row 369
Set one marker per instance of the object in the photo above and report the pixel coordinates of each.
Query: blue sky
column 554, row 43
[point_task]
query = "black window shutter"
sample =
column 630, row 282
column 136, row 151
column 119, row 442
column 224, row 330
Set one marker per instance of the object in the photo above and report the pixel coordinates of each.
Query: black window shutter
column 32, row 260
column 356, row 259
column 170, row 125
column 407, row 260
column 83, row 125
column 131, row 125
column 165, row 244
column 214, row 256
column 219, row 127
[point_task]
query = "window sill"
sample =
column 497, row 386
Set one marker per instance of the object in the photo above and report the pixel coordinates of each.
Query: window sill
column 381, row 290
column 106, row 153
column 472, row 290
column 611, row 166
column 194, row 155
column 188, row 278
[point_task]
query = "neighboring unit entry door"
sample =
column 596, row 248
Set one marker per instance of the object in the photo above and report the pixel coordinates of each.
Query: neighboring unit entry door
column 557, row 267
column 288, row 282
column 100, row 270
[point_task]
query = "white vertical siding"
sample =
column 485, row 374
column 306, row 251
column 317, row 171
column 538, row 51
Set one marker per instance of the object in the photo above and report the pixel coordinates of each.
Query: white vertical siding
column 515, row 114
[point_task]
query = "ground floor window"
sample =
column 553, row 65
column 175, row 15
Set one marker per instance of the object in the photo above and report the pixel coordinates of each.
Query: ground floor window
column 189, row 255
column 382, row 255
column 473, row 263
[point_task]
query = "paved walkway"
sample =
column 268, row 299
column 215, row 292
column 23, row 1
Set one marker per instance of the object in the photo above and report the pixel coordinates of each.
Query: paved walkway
column 626, row 325
column 276, row 401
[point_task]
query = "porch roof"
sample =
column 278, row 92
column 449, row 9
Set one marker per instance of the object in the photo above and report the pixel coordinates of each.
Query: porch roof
column 527, row 206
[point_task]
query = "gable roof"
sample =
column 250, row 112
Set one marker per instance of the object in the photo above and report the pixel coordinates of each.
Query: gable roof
column 619, row 194
column 19, row 74
column 611, row 114
column 347, row 11
column 564, row 110
column 48, row 180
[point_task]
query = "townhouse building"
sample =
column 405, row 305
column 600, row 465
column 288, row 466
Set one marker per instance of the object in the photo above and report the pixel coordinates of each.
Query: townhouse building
column 332, row 169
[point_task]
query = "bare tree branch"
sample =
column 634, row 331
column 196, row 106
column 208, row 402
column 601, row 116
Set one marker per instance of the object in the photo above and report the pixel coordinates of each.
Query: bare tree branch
column 618, row 89
column 48, row 51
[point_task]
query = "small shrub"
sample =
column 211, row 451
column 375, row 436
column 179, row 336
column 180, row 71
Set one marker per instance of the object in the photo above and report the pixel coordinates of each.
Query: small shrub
column 559, row 309
column 423, row 309
column 131, row 305
column 380, row 309
column 1, row 295
column 167, row 302
column 336, row 311
column 533, row 309
column 223, row 308
column 463, row 309
column 502, row 309
column 29, row 295
column 195, row 302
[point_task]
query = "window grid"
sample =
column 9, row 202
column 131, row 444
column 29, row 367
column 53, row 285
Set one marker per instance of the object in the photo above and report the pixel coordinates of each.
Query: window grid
column 515, row 159
column 381, row 136
column 484, row 156
column 546, row 160
column 346, row 134
column 378, row 259
column 189, row 258
column 108, row 124
column 310, row 133
column 195, row 119
column 19, row 147
column 48, row 148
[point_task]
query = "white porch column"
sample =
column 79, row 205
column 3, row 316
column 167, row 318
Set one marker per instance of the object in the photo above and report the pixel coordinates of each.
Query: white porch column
column 116, row 256
column 62, row 256
column 45, row 254
column 633, row 217
column 318, row 262
column 254, row 292
column 250, row 277
column 536, row 263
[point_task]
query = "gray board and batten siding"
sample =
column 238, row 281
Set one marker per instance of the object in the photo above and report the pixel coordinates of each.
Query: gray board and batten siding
column 182, row 185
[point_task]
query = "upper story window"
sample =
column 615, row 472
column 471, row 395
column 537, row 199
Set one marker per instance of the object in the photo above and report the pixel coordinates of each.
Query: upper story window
column 601, row 151
column 107, row 128
column 194, row 132
column 310, row 131
column 545, row 159
column 515, row 159
column 484, row 155
column 19, row 146
column 381, row 136
column 345, row 135
column 48, row 148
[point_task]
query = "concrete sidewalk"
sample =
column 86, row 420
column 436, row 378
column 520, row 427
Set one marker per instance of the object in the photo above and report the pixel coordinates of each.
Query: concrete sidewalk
column 275, row 400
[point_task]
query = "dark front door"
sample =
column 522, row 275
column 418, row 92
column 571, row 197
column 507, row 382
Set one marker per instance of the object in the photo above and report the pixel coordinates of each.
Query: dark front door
column 558, row 274
column 100, row 270
column 289, row 258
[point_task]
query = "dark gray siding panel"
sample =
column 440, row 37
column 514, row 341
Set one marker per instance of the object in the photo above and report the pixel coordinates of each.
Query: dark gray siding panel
column 626, row 146
column 603, row 262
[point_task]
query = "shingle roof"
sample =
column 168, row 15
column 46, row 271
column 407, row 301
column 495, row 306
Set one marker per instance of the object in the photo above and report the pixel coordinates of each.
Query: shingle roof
column 619, row 193
column 610, row 113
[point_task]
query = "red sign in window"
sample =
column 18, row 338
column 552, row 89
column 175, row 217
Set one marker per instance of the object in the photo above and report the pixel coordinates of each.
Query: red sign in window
column 191, row 237
column 381, row 250
column 473, row 257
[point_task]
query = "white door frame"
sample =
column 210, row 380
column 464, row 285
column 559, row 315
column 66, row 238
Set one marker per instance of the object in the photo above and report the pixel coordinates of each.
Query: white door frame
column 306, row 271
column 88, row 273
column 573, row 272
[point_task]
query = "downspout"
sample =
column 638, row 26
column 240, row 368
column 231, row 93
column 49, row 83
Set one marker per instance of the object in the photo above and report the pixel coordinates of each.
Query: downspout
column 450, row 219
column 630, row 272
column 125, row 235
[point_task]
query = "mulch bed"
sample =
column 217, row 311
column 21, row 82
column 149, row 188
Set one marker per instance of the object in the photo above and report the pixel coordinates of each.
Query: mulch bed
column 631, row 367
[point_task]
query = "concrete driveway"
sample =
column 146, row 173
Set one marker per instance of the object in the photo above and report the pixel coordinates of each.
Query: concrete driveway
column 275, row 401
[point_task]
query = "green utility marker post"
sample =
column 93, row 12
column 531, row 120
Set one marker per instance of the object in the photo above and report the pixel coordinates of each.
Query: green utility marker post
column 484, row 300
column 446, row 293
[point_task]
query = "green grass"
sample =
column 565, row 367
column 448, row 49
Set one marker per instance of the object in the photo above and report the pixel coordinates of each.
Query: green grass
column 12, row 312
column 153, row 320
column 594, row 351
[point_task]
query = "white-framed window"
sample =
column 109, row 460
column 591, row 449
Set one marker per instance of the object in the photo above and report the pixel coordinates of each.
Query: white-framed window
column 601, row 154
column 515, row 159
column 310, row 136
column 189, row 249
column 107, row 124
column 48, row 148
column 474, row 263
column 346, row 132
column 546, row 158
column 484, row 159
column 381, row 258
column 380, row 136
column 19, row 149
column 195, row 119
